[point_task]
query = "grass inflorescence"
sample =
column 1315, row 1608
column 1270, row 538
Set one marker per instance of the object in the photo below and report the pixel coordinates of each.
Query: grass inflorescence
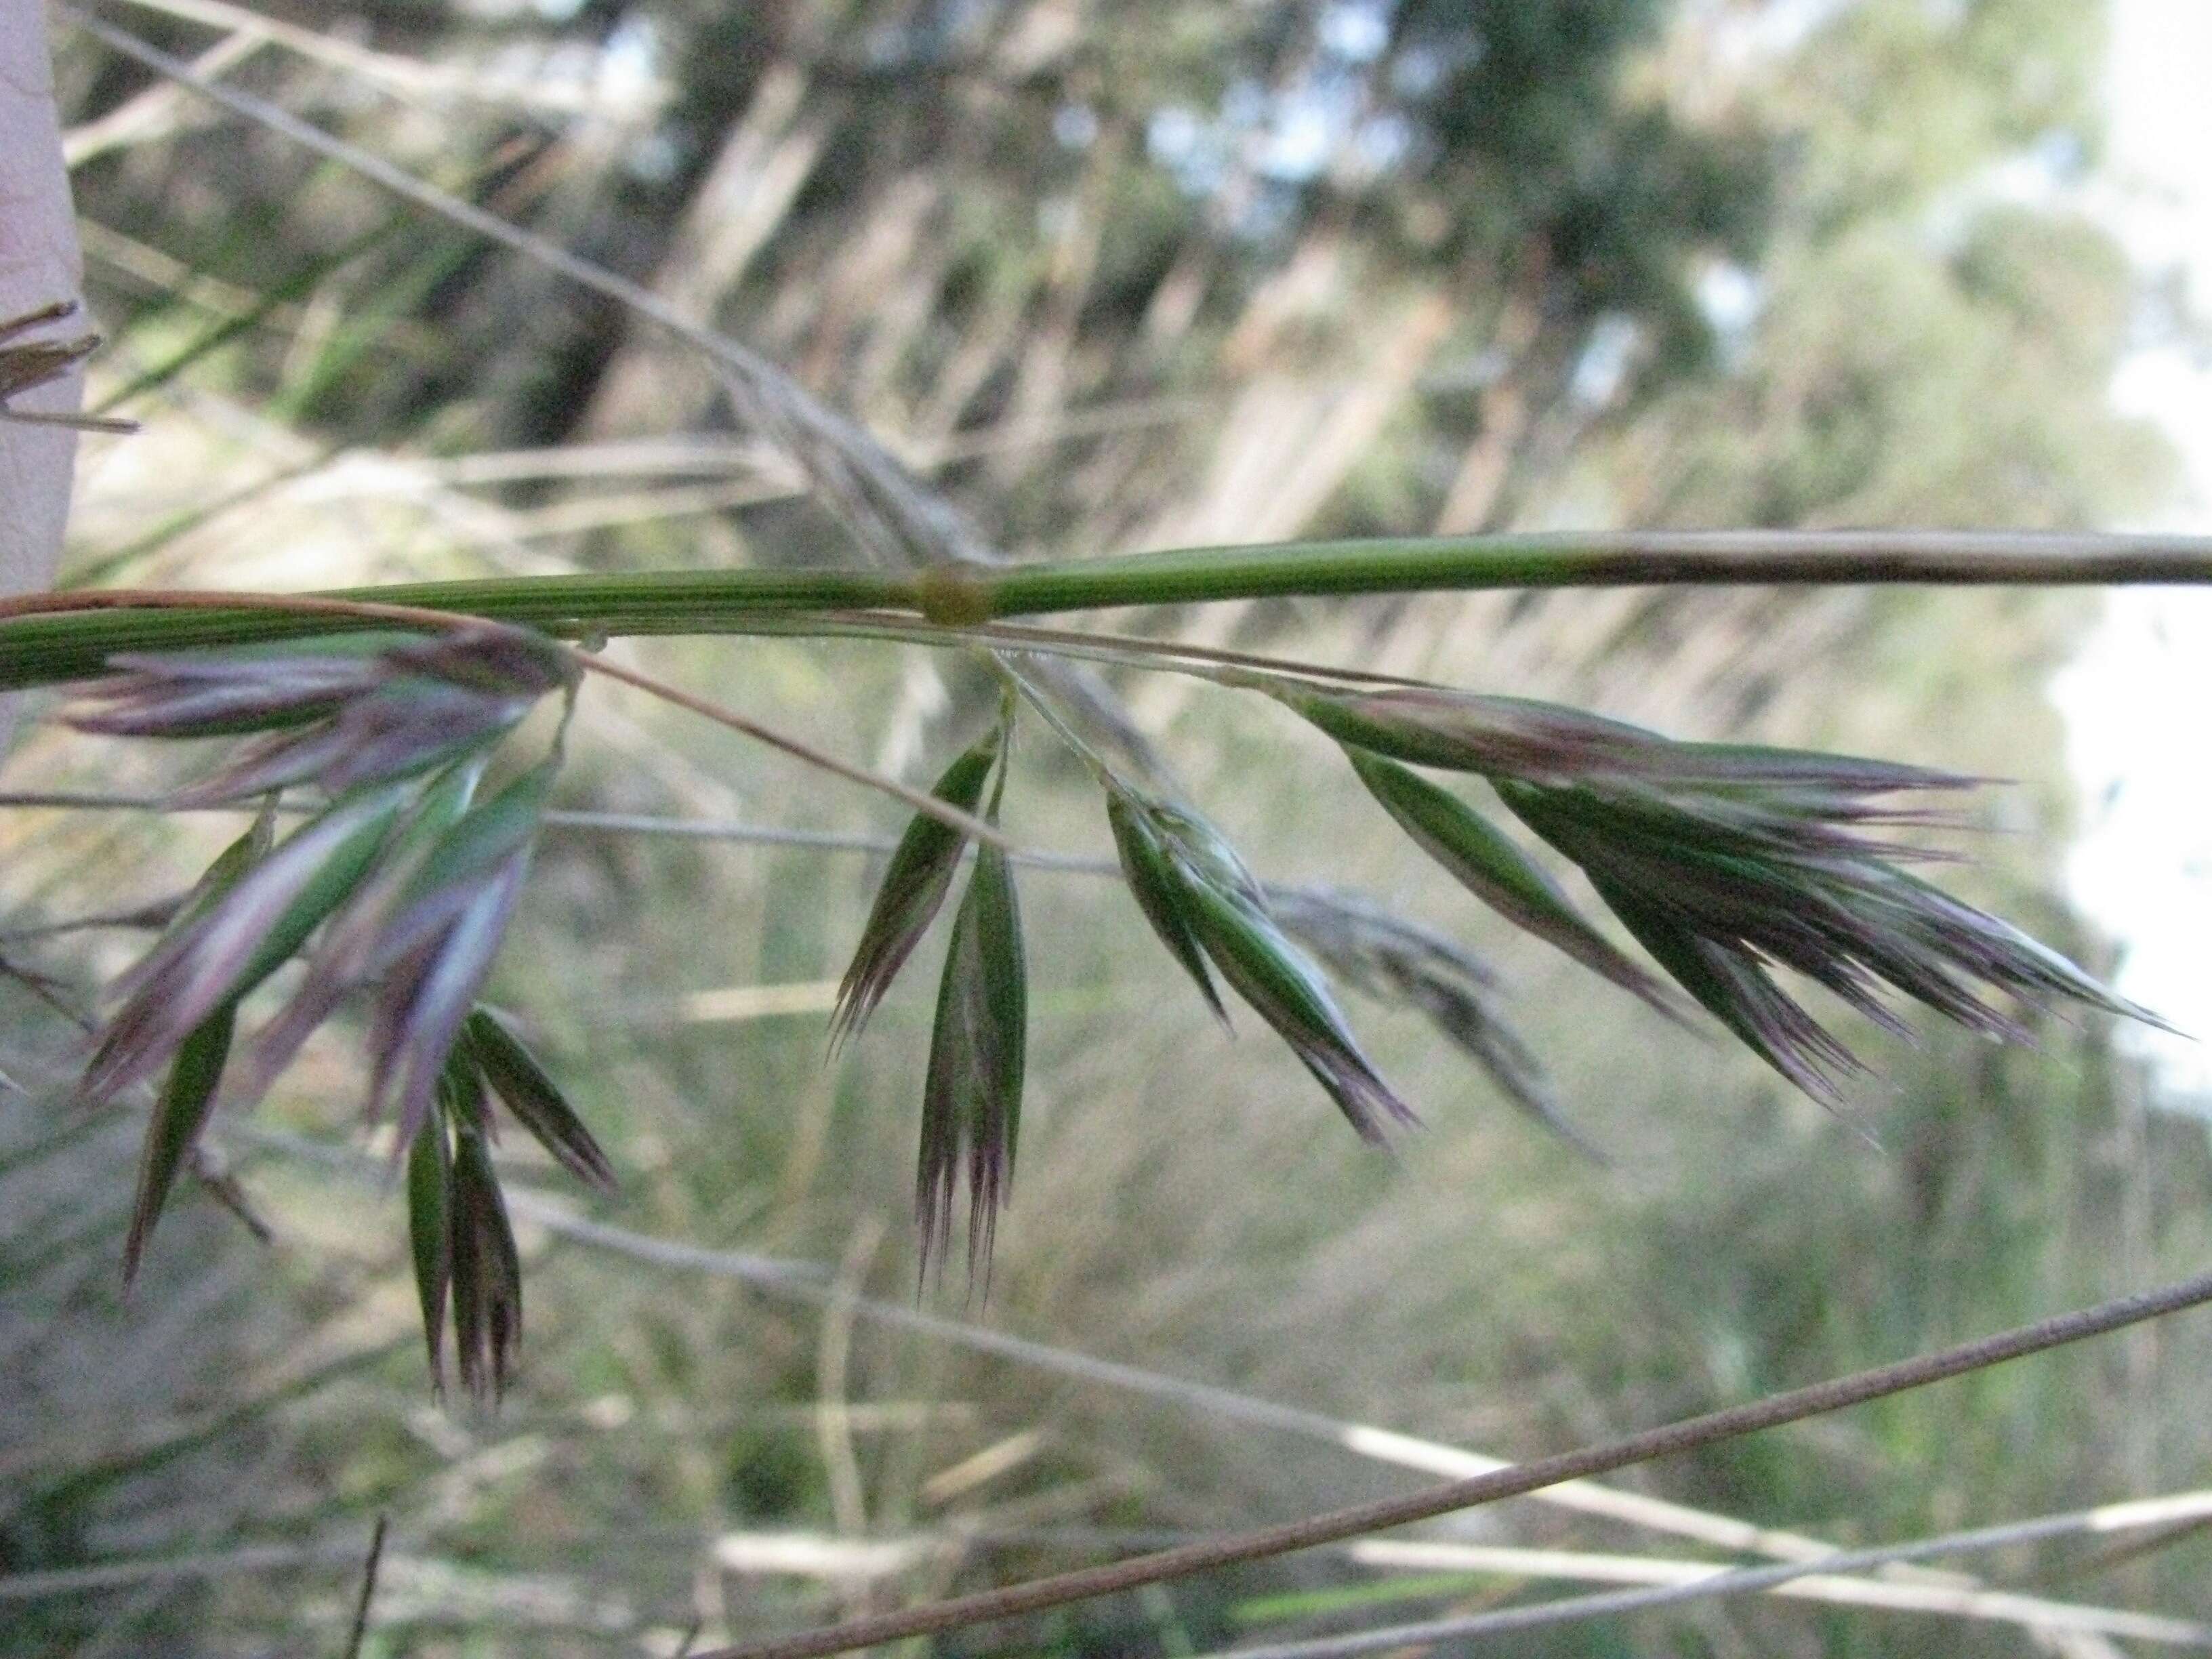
column 1724, row 862
column 399, row 887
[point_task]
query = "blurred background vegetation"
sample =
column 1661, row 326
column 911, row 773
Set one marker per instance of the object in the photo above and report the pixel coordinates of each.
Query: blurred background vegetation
column 1113, row 277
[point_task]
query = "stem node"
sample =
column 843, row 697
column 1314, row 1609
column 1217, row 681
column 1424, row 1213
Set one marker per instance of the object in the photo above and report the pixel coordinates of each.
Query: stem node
column 952, row 597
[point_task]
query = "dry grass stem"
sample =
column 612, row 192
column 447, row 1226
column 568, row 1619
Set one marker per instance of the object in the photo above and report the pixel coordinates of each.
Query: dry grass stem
column 1774, row 1410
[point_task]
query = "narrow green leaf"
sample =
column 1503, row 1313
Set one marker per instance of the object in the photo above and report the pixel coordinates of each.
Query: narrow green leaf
column 1158, row 890
column 429, row 1205
column 914, row 884
column 294, row 286
column 179, row 1116
column 1482, row 860
column 534, row 1099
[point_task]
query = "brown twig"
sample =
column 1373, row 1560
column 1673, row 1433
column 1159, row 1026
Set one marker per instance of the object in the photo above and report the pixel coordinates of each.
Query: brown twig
column 360, row 1633
column 1669, row 1440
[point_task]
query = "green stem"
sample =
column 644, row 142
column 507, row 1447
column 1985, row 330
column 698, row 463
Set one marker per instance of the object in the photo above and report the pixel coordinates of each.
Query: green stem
column 36, row 649
column 1616, row 559
column 1092, row 760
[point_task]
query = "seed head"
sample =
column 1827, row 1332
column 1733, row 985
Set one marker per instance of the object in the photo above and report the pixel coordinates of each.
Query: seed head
column 1720, row 883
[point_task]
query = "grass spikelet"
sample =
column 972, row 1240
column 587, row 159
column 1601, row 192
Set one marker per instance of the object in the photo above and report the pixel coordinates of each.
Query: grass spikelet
column 1286, row 990
column 180, row 1114
column 1204, row 896
column 1153, row 883
column 346, row 956
column 1722, row 883
column 1401, row 962
column 220, row 950
column 367, row 718
column 342, row 711
column 524, row 1086
column 914, row 883
column 423, row 929
column 437, row 950
column 189, row 1094
column 484, row 1268
column 429, row 1233
column 972, row 1089
column 1483, row 862
column 461, row 1239
column 1545, row 742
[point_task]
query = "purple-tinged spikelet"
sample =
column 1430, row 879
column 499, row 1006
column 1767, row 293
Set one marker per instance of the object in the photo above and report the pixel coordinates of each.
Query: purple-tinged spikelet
column 1724, row 860
column 339, row 713
column 1720, row 886
column 400, row 886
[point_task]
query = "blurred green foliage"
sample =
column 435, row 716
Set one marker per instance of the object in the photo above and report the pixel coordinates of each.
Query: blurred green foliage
column 1618, row 262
